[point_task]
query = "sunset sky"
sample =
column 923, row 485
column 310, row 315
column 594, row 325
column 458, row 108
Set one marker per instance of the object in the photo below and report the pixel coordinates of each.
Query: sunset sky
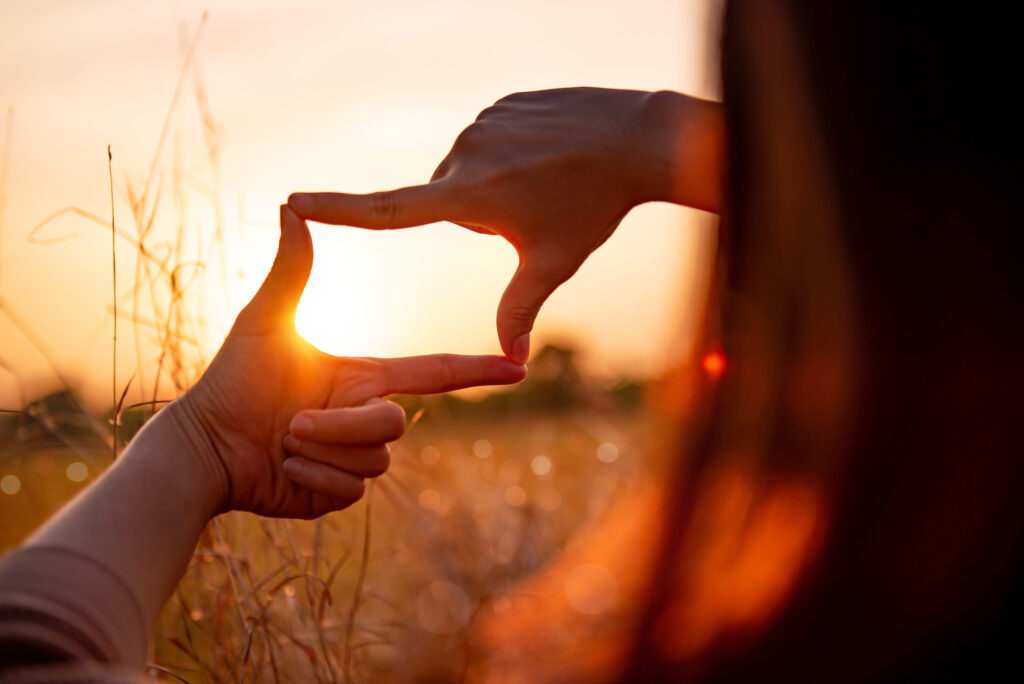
column 347, row 95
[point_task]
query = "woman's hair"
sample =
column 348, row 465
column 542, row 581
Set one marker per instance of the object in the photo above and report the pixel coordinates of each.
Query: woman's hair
column 868, row 311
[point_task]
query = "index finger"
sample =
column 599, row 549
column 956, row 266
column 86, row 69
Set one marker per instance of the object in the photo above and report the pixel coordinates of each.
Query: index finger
column 436, row 373
column 401, row 208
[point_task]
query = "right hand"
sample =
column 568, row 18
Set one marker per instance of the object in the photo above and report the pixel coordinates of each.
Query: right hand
column 553, row 172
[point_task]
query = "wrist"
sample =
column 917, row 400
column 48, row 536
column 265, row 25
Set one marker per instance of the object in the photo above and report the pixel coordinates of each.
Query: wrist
column 659, row 115
column 203, row 475
column 682, row 149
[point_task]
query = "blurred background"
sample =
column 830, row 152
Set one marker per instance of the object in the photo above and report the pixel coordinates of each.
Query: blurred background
column 214, row 112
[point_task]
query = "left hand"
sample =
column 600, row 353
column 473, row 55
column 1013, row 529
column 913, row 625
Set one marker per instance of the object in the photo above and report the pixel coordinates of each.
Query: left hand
column 553, row 172
column 268, row 391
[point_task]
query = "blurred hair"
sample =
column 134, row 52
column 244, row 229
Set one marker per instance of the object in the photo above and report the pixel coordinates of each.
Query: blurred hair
column 867, row 306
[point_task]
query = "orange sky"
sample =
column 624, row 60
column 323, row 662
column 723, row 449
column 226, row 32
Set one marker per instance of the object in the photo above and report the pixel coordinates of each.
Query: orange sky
column 350, row 95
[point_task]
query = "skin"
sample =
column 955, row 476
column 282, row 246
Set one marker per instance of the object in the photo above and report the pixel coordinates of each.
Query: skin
column 553, row 172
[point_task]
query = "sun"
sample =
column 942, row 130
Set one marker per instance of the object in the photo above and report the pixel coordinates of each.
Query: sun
column 340, row 309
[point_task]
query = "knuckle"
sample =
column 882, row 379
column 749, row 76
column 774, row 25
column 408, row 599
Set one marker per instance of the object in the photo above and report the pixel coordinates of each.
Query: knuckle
column 384, row 374
column 449, row 373
column 512, row 98
column 522, row 314
column 384, row 205
column 471, row 136
column 490, row 112
column 444, row 372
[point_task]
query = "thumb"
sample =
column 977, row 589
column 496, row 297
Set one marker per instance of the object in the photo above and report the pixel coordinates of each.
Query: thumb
column 275, row 302
column 531, row 284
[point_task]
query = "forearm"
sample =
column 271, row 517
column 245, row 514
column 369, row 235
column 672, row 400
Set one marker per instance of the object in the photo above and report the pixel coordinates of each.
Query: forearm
column 109, row 560
column 682, row 150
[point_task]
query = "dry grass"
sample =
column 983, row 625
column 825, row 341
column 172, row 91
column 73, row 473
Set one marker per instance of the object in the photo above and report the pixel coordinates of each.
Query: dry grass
column 387, row 590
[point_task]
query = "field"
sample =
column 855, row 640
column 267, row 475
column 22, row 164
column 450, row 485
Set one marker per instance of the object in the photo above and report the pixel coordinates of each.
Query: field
column 480, row 495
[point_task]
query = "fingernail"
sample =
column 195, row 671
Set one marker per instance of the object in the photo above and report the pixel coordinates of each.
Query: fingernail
column 521, row 348
column 301, row 202
column 292, row 466
column 302, row 426
column 291, row 444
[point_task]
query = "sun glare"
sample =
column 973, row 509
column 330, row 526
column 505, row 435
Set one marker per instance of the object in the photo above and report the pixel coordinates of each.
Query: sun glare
column 337, row 325
column 340, row 310
column 401, row 293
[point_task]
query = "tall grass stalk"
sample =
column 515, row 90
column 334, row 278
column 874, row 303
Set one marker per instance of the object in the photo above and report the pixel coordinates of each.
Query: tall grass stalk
column 113, row 277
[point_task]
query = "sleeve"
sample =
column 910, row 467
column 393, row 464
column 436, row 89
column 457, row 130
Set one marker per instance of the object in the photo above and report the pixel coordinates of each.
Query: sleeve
column 60, row 605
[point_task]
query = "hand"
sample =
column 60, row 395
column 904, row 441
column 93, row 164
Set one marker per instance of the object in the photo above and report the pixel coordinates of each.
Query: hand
column 553, row 172
column 268, row 392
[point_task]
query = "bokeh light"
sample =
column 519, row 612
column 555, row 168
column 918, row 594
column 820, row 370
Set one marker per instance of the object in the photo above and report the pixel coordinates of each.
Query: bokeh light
column 540, row 465
column 430, row 500
column 607, row 452
column 77, row 471
column 10, row 484
column 430, row 454
column 482, row 448
column 515, row 496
